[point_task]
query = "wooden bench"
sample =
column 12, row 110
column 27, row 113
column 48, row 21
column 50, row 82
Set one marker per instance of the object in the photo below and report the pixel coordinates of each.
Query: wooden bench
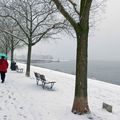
column 41, row 77
column 19, row 70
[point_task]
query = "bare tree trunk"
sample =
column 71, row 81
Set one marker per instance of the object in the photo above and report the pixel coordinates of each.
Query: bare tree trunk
column 80, row 104
column 6, row 50
column 12, row 51
column 28, row 60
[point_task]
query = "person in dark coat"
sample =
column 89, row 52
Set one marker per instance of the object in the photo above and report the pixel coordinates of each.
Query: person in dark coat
column 3, row 68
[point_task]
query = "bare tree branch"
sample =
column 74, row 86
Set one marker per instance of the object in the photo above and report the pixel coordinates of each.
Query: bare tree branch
column 12, row 35
column 65, row 13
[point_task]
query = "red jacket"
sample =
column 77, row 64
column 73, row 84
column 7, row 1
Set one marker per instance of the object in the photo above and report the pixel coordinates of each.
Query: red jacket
column 3, row 65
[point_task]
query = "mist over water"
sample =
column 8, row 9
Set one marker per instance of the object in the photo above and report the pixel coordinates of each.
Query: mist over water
column 107, row 71
column 62, row 66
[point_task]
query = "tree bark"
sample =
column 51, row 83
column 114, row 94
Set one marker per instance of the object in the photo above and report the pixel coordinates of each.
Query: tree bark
column 28, row 60
column 12, row 50
column 80, row 104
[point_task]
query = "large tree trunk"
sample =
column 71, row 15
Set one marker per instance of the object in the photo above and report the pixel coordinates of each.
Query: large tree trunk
column 28, row 60
column 80, row 104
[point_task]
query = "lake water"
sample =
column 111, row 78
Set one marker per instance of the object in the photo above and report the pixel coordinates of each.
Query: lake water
column 101, row 70
column 107, row 71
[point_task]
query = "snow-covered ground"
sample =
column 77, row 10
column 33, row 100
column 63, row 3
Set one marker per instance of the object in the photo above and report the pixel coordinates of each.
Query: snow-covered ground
column 22, row 99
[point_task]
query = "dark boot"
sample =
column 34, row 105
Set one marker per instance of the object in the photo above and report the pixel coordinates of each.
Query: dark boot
column 2, row 77
column 2, row 81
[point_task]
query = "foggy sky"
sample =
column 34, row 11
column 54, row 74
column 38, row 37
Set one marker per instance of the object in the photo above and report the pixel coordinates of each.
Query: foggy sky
column 104, row 41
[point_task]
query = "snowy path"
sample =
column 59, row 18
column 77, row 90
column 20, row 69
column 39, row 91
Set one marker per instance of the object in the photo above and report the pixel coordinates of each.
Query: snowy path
column 22, row 99
column 12, row 104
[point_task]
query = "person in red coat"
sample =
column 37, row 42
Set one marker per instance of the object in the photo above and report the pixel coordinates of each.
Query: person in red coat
column 3, row 68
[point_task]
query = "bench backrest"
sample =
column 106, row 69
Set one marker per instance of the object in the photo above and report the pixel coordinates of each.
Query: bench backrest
column 42, row 77
column 39, row 76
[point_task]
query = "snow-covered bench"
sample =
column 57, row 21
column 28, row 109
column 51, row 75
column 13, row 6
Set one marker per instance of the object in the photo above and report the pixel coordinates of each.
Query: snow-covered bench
column 41, row 77
column 19, row 70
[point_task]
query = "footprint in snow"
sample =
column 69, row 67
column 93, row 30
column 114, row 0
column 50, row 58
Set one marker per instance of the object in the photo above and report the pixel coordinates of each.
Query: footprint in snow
column 14, row 99
column 23, row 115
column 21, row 107
column 5, row 117
column 2, row 92
column 9, row 97
column 5, row 101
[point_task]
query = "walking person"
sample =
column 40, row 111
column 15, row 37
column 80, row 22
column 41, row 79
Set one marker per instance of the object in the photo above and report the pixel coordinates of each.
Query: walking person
column 3, row 68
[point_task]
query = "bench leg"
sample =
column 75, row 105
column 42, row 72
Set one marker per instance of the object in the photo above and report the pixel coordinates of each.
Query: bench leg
column 51, row 85
column 37, row 81
column 43, row 85
column 19, row 70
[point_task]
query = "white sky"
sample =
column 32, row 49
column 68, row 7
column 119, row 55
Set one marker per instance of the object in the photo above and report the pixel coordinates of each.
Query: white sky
column 103, row 41
column 63, row 48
